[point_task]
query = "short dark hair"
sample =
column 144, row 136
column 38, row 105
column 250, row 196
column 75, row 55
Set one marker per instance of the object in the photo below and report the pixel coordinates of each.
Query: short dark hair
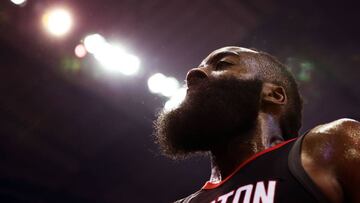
column 272, row 70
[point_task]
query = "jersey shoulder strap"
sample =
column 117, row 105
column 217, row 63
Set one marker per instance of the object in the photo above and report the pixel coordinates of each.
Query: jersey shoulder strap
column 298, row 171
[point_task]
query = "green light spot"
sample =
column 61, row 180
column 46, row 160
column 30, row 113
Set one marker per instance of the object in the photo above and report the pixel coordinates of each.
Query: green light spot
column 305, row 71
column 306, row 65
column 70, row 64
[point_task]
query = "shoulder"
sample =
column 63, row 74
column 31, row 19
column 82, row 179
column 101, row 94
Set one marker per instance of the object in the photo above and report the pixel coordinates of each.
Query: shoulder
column 344, row 125
column 334, row 134
column 331, row 156
column 331, row 141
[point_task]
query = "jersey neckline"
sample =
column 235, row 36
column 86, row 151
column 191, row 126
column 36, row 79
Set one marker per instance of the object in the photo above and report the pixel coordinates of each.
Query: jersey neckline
column 211, row 185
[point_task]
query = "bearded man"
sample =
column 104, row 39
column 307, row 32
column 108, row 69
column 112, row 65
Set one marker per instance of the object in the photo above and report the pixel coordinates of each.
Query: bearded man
column 243, row 108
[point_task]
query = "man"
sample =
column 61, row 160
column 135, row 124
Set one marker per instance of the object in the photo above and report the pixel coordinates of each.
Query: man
column 243, row 108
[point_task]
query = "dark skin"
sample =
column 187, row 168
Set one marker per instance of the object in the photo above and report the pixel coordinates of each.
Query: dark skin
column 330, row 153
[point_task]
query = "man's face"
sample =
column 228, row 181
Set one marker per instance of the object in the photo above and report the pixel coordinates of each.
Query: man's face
column 222, row 101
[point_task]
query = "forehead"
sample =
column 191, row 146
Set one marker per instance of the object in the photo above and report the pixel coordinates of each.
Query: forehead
column 231, row 50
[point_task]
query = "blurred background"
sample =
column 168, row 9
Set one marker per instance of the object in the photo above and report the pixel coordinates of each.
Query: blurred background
column 82, row 81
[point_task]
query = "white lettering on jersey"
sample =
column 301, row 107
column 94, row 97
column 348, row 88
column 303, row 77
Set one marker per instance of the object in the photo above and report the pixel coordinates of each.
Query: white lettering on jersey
column 223, row 198
column 247, row 189
column 263, row 196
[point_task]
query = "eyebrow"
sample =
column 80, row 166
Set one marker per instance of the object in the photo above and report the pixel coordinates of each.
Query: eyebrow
column 220, row 55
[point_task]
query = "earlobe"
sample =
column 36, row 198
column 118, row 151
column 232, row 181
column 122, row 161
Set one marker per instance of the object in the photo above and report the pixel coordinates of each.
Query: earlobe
column 274, row 94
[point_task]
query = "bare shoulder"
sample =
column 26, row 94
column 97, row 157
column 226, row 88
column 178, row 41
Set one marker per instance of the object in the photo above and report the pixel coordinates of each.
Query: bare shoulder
column 343, row 125
column 331, row 157
column 334, row 140
column 337, row 132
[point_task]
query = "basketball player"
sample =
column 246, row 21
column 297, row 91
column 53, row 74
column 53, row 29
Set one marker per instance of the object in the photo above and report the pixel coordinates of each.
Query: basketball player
column 243, row 108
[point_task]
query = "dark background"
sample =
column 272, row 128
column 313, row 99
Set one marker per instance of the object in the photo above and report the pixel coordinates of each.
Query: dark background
column 78, row 136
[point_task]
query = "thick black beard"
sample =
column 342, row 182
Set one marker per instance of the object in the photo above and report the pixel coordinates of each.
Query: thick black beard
column 212, row 113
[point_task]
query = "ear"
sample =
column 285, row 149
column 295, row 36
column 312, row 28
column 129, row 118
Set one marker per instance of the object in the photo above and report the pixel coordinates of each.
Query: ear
column 275, row 94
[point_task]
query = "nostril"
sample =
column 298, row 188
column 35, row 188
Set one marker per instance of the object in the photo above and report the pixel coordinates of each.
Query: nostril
column 194, row 76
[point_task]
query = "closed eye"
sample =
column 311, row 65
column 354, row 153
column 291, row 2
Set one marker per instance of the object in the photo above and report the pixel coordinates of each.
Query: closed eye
column 221, row 65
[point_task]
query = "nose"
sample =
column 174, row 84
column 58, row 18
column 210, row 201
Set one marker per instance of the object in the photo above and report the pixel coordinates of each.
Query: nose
column 195, row 75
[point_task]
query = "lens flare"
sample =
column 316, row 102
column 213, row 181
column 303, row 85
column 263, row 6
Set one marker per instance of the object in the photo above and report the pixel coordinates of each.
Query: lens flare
column 80, row 51
column 176, row 99
column 160, row 84
column 112, row 57
column 94, row 42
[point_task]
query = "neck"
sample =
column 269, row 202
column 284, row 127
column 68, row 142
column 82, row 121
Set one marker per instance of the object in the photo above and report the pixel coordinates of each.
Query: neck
column 226, row 157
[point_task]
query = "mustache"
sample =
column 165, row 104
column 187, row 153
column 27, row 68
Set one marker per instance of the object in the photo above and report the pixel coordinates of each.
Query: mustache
column 225, row 87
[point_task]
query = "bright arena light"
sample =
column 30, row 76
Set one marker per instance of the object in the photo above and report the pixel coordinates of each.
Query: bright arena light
column 176, row 99
column 18, row 2
column 57, row 21
column 115, row 59
column 112, row 57
column 168, row 87
column 94, row 42
column 155, row 84
column 160, row 84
